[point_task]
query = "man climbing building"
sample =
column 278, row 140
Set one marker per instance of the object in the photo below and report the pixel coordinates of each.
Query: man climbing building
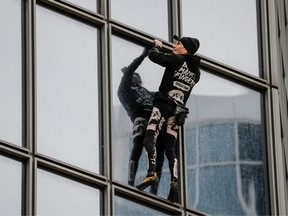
column 169, row 111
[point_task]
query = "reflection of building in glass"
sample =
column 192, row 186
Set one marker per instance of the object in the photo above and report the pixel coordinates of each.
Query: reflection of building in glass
column 225, row 161
column 220, row 174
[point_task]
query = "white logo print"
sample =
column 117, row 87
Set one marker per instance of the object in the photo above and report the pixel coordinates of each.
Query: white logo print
column 177, row 95
column 184, row 78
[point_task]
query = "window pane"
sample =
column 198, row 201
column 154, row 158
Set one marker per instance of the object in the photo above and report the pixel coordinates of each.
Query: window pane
column 88, row 4
column 127, row 207
column 224, row 144
column 57, row 195
column 11, row 71
column 67, row 90
column 10, row 186
column 150, row 16
column 226, row 33
column 122, row 124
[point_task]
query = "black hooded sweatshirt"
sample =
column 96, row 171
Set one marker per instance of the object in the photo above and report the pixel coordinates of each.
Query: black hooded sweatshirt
column 181, row 72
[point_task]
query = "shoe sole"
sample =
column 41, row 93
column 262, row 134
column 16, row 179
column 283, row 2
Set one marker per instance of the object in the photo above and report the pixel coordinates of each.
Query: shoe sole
column 144, row 185
column 173, row 194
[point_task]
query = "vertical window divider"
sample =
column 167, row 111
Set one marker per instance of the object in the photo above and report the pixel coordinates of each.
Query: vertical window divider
column 29, row 97
column 106, row 115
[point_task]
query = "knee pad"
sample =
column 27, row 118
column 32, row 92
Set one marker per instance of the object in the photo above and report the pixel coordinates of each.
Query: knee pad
column 172, row 127
column 139, row 126
column 156, row 120
column 173, row 164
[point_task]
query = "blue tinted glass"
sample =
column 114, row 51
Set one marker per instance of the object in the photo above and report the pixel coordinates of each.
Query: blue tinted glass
column 217, row 143
column 216, row 185
column 252, row 187
column 190, row 134
column 250, row 143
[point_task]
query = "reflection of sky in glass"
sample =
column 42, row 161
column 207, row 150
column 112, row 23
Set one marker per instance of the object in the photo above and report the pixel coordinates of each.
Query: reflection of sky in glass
column 67, row 90
column 11, row 72
column 88, row 4
column 10, row 186
column 57, row 195
column 227, row 30
column 149, row 15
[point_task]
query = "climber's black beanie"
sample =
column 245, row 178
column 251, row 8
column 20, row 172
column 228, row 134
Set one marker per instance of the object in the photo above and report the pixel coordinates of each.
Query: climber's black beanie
column 190, row 44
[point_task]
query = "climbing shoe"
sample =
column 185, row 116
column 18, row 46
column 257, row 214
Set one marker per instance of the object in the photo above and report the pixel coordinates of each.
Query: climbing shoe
column 173, row 194
column 148, row 181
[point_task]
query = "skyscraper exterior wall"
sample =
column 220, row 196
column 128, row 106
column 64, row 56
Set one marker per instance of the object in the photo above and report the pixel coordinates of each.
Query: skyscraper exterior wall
column 65, row 138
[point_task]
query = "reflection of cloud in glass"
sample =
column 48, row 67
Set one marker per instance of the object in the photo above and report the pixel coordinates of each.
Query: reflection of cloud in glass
column 10, row 67
column 149, row 15
column 57, row 195
column 227, row 34
column 91, row 5
column 67, row 88
column 210, row 85
column 10, row 186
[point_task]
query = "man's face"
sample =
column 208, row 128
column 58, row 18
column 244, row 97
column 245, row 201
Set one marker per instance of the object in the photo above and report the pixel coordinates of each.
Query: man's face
column 178, row 48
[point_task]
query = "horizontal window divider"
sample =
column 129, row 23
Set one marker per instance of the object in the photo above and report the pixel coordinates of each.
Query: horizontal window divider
column 13, row 150
column 128, row 31
column 78, row 12
column 75, row 172
column 193, row 213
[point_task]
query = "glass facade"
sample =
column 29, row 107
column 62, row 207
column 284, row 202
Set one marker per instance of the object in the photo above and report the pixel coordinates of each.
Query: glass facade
column 137, row 10
column 130, row 207
column 87, row 4
column 225, row 149
column 66, row 139
column 11, row 186
column 67, row 90
column 224, row 29
column 57, row 195
column 11, row 71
